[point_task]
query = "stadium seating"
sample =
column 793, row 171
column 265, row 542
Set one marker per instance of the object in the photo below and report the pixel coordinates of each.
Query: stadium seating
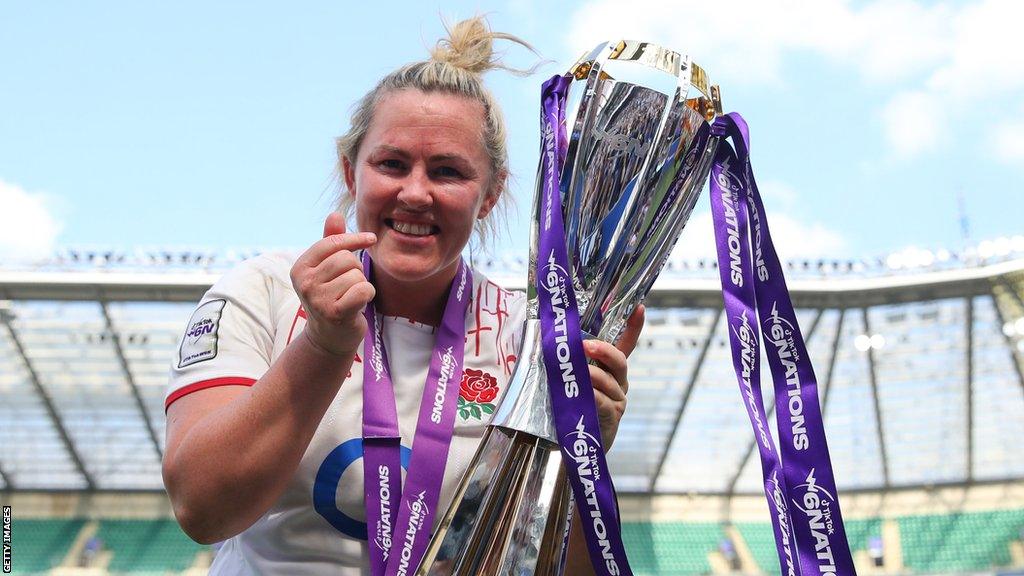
column 934, row 543
column 959, row 542
column 671, row 547
column 41, row 544
column 141, row 546
column 761, row 542
column 950, row 543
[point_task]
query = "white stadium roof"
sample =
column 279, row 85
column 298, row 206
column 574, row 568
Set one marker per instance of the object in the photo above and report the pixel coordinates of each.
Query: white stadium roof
column 919, row 368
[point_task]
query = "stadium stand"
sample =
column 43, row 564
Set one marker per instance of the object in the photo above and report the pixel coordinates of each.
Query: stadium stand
column 968, row 541
column 761, row 543
column 920, row 365
column 664, row 547
column 42, row 544
column 147, row 546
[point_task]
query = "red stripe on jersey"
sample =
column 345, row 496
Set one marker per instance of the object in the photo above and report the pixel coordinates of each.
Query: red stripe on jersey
column 478, row 328
column 204, row 384
column 300, row 313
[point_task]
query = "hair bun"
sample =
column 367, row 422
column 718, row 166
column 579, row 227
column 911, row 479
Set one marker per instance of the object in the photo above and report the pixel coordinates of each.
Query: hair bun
column 469, row 46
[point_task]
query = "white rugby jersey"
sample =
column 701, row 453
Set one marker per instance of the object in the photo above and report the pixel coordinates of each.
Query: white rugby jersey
column 243, row 324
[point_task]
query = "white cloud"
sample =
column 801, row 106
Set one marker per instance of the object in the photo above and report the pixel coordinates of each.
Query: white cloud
column 986, row 57
column 914, row 122
column 797, row 239
column 746, row 40
column 28, row 227
column 697, row 239
column 701, row 29
column 895, row 40
column 778, row 195
column 951, row 58
column 981, row 67
column 793, row 238
column 1010, row 141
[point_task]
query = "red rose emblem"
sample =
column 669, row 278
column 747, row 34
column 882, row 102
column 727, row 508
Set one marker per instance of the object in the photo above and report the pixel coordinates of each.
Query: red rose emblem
column 478, row 386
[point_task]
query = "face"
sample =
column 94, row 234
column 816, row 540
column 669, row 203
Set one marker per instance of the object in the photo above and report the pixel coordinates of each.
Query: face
column 420, row 182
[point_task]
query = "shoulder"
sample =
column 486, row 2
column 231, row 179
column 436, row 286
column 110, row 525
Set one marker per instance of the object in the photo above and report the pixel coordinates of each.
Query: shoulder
column 274, row 266
column 266, row 273
column 251, row 296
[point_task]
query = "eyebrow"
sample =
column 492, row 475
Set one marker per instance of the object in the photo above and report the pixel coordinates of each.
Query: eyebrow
column 388, row 149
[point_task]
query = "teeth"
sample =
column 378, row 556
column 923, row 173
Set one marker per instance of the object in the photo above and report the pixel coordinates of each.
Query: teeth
column 412, row 229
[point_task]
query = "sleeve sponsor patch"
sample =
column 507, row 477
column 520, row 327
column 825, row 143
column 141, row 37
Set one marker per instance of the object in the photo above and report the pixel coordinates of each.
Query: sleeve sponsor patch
column 200, row 341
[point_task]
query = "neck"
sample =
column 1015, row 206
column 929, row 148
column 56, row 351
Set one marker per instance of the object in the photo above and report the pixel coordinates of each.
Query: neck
column 421, row 301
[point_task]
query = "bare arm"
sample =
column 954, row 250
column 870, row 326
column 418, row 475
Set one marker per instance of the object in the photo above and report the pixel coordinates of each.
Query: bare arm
column 232, row 450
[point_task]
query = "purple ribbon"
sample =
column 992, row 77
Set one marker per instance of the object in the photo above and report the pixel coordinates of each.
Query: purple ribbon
column 572, row 395
column 397, row 545
column 734, row 260
column 800, row 486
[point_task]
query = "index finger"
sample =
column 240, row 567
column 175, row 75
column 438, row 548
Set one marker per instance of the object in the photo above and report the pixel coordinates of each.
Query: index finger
column 328, row 245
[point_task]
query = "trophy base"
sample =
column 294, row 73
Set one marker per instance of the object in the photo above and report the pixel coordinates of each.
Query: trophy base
column 509, row 515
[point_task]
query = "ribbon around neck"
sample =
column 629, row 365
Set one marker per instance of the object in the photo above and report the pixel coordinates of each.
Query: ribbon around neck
column 399, row 520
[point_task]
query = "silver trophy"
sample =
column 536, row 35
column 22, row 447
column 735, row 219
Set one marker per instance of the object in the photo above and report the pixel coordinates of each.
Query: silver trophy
column 638, row 121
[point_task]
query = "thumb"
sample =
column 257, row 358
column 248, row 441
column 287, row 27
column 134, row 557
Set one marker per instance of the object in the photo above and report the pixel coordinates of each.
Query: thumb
column 630, row 336
column 335, row 224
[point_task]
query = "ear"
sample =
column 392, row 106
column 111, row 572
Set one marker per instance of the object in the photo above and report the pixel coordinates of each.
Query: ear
column 350, row 176
column 495, row 192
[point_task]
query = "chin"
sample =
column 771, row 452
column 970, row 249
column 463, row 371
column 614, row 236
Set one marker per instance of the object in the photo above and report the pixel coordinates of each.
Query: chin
column 410, row 267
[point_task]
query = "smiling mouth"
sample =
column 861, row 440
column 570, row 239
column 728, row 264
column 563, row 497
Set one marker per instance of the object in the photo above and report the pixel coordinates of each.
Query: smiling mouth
column 412, row 229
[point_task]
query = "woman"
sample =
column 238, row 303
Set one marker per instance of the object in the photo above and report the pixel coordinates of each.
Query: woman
column 265, row 418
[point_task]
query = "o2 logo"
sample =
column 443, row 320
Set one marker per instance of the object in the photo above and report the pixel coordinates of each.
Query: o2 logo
column 325, row 487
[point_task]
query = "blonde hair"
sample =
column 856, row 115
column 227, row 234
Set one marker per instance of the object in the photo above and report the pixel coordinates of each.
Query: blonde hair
column 456, row 66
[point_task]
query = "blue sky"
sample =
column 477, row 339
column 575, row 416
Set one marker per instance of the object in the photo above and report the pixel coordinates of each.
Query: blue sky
column 201, row 124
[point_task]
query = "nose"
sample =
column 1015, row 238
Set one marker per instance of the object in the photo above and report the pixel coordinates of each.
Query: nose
column 416, row 193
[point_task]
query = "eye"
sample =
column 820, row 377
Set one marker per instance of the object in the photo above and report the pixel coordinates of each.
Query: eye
column 391, row 164
column 448, row 172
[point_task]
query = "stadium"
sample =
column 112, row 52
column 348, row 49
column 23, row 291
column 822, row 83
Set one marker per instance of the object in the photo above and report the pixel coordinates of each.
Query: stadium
column 919, row 358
